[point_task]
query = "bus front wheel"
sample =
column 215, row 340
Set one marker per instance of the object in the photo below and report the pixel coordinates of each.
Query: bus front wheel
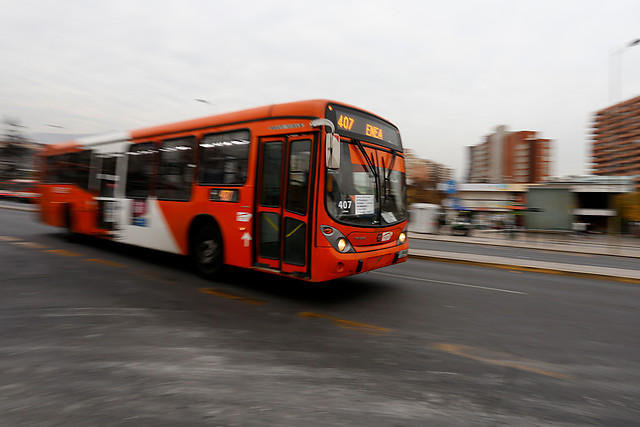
column 208, row 252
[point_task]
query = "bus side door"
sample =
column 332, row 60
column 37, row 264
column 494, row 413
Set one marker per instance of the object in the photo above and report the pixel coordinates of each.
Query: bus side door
column 107, row 184
column 284, row 203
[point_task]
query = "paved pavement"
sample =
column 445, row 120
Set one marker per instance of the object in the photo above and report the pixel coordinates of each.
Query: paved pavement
column 586, row 244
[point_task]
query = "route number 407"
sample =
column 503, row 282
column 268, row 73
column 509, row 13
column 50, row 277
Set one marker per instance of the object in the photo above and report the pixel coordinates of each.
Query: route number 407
column 345, row 205
column 345, row 122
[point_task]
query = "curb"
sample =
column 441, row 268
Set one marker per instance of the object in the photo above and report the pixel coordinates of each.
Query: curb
column 526, row 268
column 594, row 249
column 19, row 208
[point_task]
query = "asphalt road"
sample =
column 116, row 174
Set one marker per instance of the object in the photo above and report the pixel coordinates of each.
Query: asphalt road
column 95, row 333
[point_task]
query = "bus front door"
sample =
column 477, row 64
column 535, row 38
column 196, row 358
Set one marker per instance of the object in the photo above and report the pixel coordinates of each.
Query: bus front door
column 283, row 204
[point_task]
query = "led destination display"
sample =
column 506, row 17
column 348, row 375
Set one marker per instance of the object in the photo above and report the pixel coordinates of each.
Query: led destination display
column 357, row 124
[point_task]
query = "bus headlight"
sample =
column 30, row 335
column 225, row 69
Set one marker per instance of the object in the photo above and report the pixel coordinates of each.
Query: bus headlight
column 402, row 238
column 337, row 240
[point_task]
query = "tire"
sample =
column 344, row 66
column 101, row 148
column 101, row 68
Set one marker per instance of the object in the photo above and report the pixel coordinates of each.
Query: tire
column 207, row 251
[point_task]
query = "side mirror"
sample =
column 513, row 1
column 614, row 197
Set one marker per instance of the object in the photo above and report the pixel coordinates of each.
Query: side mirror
column 331, row 143
column 332, row 151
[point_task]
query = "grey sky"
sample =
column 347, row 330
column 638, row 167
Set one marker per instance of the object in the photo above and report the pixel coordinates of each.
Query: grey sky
column 446, row 72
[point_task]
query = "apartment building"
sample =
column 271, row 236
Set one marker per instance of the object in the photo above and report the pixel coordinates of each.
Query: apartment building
column 508, row 157
column 425, row 172
column 616, row 140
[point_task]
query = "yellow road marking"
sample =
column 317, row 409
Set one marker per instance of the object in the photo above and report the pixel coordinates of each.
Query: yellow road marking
column 216, row 292
column 30, row 245
column 63, row 252
column 9, row 239
column 105, row 262
column 500, row 359
column 343, row 323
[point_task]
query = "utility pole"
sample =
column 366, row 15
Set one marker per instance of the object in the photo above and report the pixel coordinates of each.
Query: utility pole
column 615, row 72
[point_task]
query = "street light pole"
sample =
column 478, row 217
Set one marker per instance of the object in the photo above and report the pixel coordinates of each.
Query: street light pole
column 615, row 73
column 209, row 106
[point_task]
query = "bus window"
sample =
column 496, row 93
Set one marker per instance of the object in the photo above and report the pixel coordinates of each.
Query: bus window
column 54, row 168
column 224, row 158
column 69, row 168
column 140, row 170
column 272, row 159
column 175, row 173
column 298, row 182
column 79, row 168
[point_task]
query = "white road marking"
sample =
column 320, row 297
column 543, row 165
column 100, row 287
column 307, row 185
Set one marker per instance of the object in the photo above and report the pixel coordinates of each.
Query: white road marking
column 465, row 285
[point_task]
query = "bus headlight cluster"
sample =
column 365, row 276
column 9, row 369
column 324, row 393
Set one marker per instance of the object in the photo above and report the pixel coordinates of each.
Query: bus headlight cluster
column 337, row 239
column 402, row 238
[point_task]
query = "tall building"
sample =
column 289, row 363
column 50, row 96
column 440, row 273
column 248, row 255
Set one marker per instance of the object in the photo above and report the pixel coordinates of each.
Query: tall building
column 616, row 140
column 510, row 158
column 425, row 172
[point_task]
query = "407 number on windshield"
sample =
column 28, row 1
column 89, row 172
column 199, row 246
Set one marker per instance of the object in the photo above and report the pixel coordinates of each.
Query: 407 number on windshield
column 345, row 205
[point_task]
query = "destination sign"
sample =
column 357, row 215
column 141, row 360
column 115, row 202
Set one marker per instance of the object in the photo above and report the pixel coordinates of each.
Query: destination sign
column 360, row 124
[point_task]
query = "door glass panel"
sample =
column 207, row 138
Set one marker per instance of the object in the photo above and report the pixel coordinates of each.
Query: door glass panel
column 107, row 176
column 298, row 179
column 269, row 235
column 295, row 233
column 271, row 163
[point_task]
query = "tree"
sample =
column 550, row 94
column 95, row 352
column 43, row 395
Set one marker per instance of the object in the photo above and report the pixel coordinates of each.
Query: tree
column 14, row 153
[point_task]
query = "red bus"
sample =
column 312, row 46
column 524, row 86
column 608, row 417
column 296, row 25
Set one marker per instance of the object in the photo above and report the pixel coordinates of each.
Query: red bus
column 313, row 190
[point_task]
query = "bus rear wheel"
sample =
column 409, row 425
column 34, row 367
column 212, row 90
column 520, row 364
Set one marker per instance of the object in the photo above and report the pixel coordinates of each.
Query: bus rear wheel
column 208, row 251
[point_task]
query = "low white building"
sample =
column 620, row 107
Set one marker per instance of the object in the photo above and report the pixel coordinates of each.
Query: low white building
column 487, row 203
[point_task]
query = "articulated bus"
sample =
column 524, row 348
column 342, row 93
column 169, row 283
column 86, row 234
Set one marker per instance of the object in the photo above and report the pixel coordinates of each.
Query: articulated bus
column 313, row 190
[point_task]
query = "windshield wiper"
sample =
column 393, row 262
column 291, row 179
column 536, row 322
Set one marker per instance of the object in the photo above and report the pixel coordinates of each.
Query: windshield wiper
column 373, row 170
column 366, row 157
column 387, row 176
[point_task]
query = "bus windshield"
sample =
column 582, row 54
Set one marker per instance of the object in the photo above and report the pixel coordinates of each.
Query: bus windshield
column 365, row 191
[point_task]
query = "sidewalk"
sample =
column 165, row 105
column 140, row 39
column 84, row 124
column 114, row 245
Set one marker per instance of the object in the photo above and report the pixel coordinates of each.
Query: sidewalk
column 588, row 244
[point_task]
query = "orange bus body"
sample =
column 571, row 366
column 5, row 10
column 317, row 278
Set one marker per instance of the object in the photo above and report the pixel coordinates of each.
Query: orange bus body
column 213, row 188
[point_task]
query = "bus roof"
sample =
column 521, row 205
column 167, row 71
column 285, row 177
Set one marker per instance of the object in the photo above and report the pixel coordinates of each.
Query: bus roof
column 309, row 109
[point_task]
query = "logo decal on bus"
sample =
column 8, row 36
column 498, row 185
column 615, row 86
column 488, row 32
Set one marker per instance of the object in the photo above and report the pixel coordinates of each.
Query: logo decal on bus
column 243, row 216
column 384, row 237
column 289, row 126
